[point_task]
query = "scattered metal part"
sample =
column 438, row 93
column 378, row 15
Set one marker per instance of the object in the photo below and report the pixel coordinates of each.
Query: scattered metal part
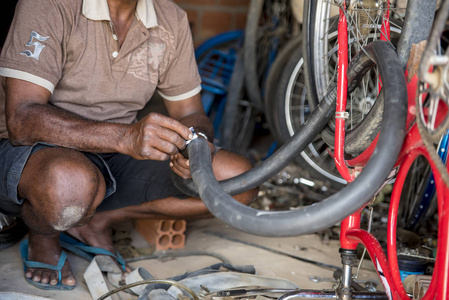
column 371, row 286
column 6, row 221
column 317, row 263
column 414, row 253
column 203, row 292
column 239, row 292
column 330, row 294
column 291, row 189
column 316, row 279
column 421, row 286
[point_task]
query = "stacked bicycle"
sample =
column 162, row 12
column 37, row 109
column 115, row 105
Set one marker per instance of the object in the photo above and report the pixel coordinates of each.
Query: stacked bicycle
column 373, row 83
column 331, row 40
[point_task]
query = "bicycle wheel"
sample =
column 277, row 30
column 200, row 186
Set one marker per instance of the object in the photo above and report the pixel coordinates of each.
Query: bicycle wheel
column 365, row 22
column 417, row 195
column 288, row 106
column 269, row 26
column 271, row 106
column 432, row 101
column 421, row 254
column 239, row 116
column 418, row 198
column 216, row 58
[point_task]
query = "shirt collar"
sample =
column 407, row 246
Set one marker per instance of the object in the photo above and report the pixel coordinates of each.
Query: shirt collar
column 99, row 10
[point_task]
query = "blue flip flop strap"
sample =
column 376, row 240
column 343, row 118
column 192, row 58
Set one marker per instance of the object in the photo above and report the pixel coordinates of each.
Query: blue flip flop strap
column 100, row 251
column 39, row 265
column 74, row 249
column 95, row 250
column 71, row 244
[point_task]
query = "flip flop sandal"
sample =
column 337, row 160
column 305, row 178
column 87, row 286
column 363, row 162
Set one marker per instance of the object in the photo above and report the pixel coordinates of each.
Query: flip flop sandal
column 38, row 265
column 87, row 252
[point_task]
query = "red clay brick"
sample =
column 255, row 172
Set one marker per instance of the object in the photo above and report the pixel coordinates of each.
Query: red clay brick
column 199, row 2
column 164, row 234
column 211, row 17
column 240, row 20
column 214, row 22
column 234, row 2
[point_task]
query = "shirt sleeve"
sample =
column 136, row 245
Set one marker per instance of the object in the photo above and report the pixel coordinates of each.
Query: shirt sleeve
column 33, row 49
column 181, row 80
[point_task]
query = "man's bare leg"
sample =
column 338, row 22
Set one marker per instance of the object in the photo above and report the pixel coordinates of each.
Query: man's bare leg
column 51, row 182
column 97, row 232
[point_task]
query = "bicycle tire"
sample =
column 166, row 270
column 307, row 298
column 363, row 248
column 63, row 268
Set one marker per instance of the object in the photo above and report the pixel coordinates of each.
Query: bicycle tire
column 311, row 218
column 263, row 41
column 239, row 115
column 272, row 84
column 320, row 73
column 416, row 197
column 289, row 113
column 250, row 51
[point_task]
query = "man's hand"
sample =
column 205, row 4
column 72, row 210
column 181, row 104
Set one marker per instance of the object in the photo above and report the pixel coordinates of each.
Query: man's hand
column 181, row 165
column 155, row 137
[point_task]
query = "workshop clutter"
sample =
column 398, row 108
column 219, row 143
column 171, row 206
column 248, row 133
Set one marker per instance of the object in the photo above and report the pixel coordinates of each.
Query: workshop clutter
column 164, row 234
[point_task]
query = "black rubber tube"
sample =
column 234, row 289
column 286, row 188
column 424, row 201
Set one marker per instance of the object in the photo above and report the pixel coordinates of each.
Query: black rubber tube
column 325, row 214
column 276, row 162
column 317, row 120
column 250, row 53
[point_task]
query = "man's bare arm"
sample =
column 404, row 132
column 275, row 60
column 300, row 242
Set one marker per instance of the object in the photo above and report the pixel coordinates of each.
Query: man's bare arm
column 30, row 119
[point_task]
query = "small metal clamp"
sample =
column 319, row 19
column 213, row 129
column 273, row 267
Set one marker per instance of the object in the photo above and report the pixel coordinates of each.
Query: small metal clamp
column 341, row 115
column 195, row 136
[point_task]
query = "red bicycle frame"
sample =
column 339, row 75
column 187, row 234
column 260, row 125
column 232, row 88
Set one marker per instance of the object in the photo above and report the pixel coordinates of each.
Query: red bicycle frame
column 351, row 234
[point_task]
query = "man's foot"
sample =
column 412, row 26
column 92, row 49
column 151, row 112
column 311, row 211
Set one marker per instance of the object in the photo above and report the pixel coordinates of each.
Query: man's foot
column 46, row 249
column 96, row 233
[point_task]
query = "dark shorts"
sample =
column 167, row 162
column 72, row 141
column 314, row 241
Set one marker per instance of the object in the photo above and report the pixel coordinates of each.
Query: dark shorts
column 128, row 181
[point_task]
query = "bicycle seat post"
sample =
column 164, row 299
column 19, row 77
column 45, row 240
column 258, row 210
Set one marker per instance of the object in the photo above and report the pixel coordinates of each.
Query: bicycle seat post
column 344, row 290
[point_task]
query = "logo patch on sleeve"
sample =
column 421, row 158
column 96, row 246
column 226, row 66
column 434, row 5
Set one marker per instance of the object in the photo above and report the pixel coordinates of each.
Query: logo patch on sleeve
column 38, row 47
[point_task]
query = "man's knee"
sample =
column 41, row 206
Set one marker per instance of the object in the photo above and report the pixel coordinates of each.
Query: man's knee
column 227, row 165
column 63, row 186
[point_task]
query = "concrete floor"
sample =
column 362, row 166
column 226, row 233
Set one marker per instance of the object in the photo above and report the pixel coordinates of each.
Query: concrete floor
column 199, row 238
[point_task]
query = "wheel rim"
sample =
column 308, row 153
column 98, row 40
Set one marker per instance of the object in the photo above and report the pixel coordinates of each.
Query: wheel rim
column 359, row 34
column 359, row 103
column 296, row 109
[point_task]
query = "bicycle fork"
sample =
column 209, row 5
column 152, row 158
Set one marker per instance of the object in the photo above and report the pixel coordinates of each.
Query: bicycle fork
column 350, row 225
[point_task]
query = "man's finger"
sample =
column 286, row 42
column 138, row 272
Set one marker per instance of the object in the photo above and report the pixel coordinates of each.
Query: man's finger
column 172, row 124
column 184, row 173
column 182, row 161
column 166, row 147
column 152, row 153
column 172, row 137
